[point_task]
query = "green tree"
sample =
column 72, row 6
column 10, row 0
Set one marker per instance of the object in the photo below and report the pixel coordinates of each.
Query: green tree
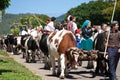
column 4, row 4
column 15, row 29
column 92, row 11
column 34, row 20
column 108, row 12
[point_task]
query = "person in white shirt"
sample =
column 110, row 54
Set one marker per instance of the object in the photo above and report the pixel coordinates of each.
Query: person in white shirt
column 34, row 33
column 24, row 32
column 74, row 25
column 50, row 26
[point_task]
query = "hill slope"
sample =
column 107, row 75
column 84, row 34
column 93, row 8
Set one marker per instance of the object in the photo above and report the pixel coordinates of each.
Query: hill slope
column 9, row 19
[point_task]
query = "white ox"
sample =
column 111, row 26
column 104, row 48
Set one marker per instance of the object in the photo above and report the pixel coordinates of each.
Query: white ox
column 58, row 44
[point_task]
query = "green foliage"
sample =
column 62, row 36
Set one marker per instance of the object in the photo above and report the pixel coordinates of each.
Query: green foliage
column 34, row 20
column 15, row 31
column 92, row 11
column 42, row 18
column 108, row 12
column 3, row 53
column 4, row 4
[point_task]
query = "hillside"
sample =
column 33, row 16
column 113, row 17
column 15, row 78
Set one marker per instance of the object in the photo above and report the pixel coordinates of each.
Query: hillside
column 9, row 19
column 61, row 18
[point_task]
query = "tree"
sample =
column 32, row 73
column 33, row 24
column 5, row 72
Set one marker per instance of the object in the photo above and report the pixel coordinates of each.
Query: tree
column 34, row 20
column 108, row 12
column 4, row 4
column 92, row 11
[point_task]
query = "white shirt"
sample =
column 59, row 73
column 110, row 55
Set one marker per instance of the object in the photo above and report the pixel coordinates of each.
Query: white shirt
column 34, row 33
column 24, row 32
column 50, row 26
column 74, row 27
column 29, row 31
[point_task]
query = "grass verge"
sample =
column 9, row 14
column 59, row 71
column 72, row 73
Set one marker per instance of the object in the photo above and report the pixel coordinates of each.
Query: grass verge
column 11, row 70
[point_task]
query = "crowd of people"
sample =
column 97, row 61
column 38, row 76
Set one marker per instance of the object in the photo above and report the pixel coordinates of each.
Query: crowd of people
column 98, row 37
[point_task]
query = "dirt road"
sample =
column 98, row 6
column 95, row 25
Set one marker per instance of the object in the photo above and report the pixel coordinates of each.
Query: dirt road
column 80, row 74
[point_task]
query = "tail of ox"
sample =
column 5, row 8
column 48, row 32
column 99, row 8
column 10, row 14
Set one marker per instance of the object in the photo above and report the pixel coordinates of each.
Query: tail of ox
column 58, row 43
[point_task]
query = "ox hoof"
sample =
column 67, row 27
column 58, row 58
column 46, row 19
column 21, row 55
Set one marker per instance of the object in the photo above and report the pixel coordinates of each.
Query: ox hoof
column 33, row 61
column 58, row 72
column 62, row 77
column 54, row 74
column 27, row 61
column 47, row 67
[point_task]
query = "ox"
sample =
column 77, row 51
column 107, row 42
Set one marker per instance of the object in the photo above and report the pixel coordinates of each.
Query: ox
column 9, row 41
column 58, row 43
column 19, row 44
column 44, row 49
column 31, row 47
column 2, row 45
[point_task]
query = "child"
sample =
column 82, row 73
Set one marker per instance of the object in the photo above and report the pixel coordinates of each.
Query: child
column 78, row 37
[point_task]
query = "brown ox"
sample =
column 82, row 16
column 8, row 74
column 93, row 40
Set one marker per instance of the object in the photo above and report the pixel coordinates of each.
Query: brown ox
column 58, row 44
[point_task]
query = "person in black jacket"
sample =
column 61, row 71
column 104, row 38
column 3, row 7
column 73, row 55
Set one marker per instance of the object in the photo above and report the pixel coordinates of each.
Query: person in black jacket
column 87, row 38
column 99, row 44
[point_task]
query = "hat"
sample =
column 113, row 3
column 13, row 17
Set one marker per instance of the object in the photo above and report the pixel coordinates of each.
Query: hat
column 86, row 22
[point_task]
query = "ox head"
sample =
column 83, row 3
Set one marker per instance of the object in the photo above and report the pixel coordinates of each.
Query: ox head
column 72, row 57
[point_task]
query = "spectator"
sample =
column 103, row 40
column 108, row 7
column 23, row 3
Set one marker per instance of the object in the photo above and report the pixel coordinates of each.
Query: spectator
column 87, row 36
column 72, row 26
column 87, row 39
column 24, row 31
column 50, row 26
column 78, row 37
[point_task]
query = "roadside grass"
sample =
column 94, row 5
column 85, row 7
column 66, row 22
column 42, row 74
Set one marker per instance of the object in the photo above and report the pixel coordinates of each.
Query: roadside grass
column 3, row 53
column 11, row 70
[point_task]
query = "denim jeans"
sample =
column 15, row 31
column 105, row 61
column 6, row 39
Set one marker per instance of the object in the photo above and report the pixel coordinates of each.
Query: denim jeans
column 113, row 58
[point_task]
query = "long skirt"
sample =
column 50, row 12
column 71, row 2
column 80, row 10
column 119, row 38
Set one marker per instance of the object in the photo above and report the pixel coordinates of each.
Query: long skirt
column 86, row 44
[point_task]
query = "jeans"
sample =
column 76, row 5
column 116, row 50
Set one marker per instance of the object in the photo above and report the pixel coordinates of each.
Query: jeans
column 113, row 58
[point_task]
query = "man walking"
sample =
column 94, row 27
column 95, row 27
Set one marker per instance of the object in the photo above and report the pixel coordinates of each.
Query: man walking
column 113, row 50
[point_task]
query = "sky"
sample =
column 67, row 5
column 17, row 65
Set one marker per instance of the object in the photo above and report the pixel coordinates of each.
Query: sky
column 48, row 7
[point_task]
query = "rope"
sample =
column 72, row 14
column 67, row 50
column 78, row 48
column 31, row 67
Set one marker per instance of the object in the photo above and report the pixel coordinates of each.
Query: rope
column 39, row 19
